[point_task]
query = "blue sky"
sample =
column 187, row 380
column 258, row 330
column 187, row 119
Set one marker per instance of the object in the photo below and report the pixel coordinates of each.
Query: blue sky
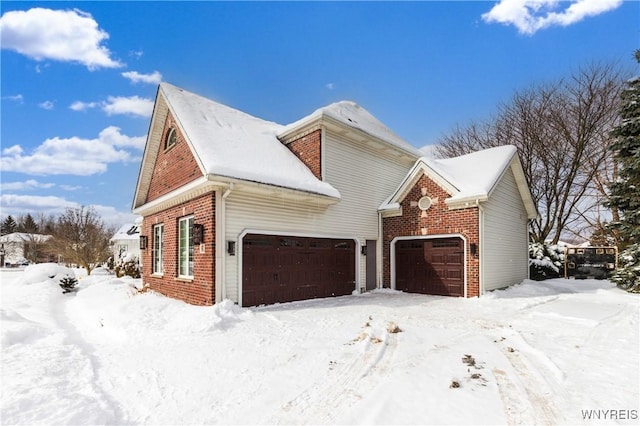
column 78, row 79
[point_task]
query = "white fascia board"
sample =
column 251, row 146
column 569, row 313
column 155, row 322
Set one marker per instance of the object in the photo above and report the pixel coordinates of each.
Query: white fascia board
column 466, row 202
column 180, row 195
column 523, row 187
column 267, row 189
column 412, row 177
column 150, row 152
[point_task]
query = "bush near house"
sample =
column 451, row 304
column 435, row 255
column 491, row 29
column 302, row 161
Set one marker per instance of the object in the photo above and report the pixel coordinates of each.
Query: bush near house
column 545, row 261
column 129, row 265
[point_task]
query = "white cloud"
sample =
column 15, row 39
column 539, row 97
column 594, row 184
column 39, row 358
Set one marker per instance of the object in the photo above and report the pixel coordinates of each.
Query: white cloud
column 529, row 16
column 12, row 150
column 132, row 105
column 83, row 106
column 61, row 35
column 114, row 105
column 19, row 204
column 73, row 156
column 136, row 53
column 46, row 105
column 71, row 187
column 330, row 86
column 113, row 217
column 135, row 77
column 112, row 136
column 12, row 204
column 25, row 186
column 15, row 98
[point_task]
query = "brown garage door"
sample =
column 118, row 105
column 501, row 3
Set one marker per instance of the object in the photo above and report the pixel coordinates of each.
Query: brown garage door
column 433, row 266
column 284, row 269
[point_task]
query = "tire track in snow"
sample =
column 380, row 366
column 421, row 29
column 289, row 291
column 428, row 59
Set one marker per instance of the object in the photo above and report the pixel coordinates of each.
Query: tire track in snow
column 529, row 395
column 320, row 403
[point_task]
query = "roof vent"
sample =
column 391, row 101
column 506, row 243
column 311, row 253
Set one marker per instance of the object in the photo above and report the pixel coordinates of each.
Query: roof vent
column 424, row 203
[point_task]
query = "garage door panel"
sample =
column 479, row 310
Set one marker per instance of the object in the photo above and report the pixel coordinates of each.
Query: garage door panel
column 430, row 266
column 283, row 269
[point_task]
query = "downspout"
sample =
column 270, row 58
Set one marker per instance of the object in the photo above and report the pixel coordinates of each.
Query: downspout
column 480, row 249
column 222, row 234
column 379, row 253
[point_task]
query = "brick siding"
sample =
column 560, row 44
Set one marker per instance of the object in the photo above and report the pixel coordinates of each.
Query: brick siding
column 308, row 149
column 174, row 167
column 201, row 289
column 438, row 220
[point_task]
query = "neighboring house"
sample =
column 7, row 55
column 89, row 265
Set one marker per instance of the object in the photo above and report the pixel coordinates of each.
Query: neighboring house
column 20, row 248
column 126, row 241
column 240, row 208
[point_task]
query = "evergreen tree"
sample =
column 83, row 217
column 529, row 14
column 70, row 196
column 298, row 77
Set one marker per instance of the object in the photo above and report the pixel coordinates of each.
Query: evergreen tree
column 28, row 224
column 9, row 226
column 625, row 192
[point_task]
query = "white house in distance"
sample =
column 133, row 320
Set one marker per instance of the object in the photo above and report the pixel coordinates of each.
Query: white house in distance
column 126, row 241
column 235, row 207
column 20, row 247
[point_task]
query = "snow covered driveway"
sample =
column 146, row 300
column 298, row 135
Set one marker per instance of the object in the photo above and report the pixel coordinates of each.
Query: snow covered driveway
column 553, row 352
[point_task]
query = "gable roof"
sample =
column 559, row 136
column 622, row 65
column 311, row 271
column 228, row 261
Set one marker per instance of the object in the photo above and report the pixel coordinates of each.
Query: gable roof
column 227, row 144
column 468, row 178
column 352, row 115
column 128, row 231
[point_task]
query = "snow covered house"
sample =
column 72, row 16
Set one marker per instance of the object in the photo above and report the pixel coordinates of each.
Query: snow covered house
column 235, row 207
column 20, row 248
column 126, row 241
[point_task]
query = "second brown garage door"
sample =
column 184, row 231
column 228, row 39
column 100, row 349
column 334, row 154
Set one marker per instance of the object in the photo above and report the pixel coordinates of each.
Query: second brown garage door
column 430, row 266
column 284, row 269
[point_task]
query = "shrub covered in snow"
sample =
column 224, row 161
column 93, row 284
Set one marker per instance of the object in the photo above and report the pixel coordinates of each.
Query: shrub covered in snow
column 545, row 261
column 68, row 284
column 128, row 265
column 627, row 276
column 53, row 272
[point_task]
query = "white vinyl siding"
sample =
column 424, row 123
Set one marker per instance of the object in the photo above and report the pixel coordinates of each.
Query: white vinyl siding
column 158, row 243
column 364, row 179
column 504, row 248
column 185, row 247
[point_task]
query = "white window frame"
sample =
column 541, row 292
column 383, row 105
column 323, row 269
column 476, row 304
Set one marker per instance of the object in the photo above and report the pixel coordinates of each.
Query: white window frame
column 122, row 250
column 185, row 247
column 157, row 257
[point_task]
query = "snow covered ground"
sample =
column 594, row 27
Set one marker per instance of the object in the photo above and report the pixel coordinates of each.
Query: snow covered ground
column 550, row 352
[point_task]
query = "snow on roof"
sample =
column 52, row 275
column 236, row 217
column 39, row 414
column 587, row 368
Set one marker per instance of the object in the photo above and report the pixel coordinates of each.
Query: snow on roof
column 231, row 143
column 20, row 237
column 353, row 115
column 470, row 176
column 128, row 231
column 475, row 174
column 429, row 151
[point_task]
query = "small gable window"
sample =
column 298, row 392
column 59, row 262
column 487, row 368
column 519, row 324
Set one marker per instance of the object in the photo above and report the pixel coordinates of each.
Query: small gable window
column 172, row 138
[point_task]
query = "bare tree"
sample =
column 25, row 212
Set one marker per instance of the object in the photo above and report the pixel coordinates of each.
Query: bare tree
column 36, row 247
column 81, row 237
column 561, row 130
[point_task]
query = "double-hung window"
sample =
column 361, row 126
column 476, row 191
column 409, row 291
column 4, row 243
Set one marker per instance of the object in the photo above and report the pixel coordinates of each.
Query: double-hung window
column 185, row 247
column 158, row 242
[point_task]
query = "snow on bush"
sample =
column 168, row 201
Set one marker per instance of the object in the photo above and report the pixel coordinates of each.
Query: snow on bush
column 129, row 266
column 627, row 276
column 53, row 272
column 45, row 271
column 545, row 261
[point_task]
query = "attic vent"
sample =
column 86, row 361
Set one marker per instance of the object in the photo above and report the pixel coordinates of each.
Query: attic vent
column 172, row 138
column 424, row 203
